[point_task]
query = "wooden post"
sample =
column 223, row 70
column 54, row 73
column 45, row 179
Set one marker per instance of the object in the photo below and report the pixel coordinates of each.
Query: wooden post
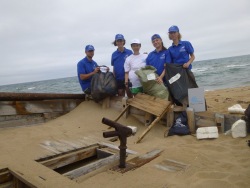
column 124, row 106
column 219, row 122
column 148, row 118
column 170, row 117
column 191, row 119
column 105, row 102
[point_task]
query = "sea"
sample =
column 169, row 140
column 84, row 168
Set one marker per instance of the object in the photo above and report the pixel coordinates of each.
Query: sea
column 211, row 74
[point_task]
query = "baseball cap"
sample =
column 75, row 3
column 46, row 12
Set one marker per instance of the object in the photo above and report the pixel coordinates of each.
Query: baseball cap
column 173, row 28
column 155, row 36
column 119, row 37
column 135, row 41
column 89, row 48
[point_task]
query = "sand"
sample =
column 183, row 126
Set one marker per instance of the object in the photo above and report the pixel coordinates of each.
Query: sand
column 222, row 162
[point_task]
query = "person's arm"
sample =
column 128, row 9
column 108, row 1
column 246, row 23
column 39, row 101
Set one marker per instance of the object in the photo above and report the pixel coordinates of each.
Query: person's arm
column 114, row 71
column 126, row 79
column 160, row 78
column 87, row 76
column 192, row 57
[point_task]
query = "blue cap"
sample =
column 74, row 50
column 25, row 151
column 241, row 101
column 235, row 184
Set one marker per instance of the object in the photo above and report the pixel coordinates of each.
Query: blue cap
column 173, row 28
column 89, row 48
column 119, row 37
column 155, row 36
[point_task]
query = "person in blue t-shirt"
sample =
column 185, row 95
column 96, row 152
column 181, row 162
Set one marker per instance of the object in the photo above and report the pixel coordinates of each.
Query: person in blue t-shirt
column 181, row 52
column 158, row 58
column 86, row 68
column 117, row 61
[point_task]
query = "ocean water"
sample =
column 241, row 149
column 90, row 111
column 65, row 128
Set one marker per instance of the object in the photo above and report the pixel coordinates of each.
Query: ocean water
column 210, row 74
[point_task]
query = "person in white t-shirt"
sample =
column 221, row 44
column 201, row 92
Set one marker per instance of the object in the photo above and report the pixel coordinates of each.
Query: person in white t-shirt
column 133, row 63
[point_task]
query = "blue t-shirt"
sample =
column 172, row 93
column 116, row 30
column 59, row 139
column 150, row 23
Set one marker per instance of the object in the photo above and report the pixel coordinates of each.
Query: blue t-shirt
column 158, row 59
column 84, row 67
column 117, row 60
column 180, row 53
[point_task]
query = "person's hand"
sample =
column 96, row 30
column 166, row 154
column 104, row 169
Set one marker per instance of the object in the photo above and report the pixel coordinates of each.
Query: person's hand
column 159, row 80
column 185, row 65
column 97, row 69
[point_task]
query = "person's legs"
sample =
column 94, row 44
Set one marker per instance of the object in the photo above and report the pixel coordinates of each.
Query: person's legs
column 120, row 87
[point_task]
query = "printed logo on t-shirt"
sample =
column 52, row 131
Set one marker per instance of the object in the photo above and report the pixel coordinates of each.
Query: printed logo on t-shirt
column 182, row 49
column 162, row 56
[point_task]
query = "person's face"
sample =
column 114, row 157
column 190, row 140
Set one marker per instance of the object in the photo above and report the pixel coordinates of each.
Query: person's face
column 136, row 47
column 120, row 43
column 173, row 35
column 90, row 53
column 157, row 43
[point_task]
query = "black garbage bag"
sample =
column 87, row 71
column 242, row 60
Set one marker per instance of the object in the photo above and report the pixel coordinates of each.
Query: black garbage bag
column 178, row 80
column 180, row 126
column 103, row 85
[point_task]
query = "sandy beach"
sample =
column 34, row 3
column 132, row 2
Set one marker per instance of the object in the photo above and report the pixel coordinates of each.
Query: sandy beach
column 221, row 162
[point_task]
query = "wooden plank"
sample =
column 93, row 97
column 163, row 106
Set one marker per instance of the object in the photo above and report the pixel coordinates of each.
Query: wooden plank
column 120, row 115
column 148, row 107
column 117, row 148
column 151, row 126
column 20, row 180
column 12, row 96
column 152, row 103
column 147, row 130
column 205, row 115
column 151, row 98
column 219, row 120
column 91, row 167
column 170, row 118
column 191, row 120
column 43, row 106
column 148, row 118
column 5, row 176
column 106, row 103
column 8, row 184
column 69, row 158
column 124, row 105
column 205, row 123
column 138, row 161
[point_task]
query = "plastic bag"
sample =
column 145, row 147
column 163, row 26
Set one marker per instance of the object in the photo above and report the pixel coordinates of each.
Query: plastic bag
column 150, row 86
column 180, row 127
column 103, row 85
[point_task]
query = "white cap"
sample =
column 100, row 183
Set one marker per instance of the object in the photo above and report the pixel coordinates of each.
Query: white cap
column 135, row 41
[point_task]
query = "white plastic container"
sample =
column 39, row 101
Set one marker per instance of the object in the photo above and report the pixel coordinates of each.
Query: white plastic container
column 239, row 129
column 207, row 132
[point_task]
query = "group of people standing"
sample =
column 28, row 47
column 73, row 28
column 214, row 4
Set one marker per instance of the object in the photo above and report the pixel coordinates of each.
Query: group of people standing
column 125, row 62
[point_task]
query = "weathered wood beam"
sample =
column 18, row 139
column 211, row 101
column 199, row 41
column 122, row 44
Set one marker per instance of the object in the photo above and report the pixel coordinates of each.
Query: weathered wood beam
column 91, row 167
column 10, row 96
column 69, row 158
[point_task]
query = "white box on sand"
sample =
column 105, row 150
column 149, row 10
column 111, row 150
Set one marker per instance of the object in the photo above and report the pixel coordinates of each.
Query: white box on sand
column 207, row 132
column 239, row 129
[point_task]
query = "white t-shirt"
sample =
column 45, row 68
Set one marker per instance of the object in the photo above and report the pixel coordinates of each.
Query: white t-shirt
column 132, row 64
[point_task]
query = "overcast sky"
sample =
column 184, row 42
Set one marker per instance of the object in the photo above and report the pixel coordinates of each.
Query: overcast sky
column 44, row 39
